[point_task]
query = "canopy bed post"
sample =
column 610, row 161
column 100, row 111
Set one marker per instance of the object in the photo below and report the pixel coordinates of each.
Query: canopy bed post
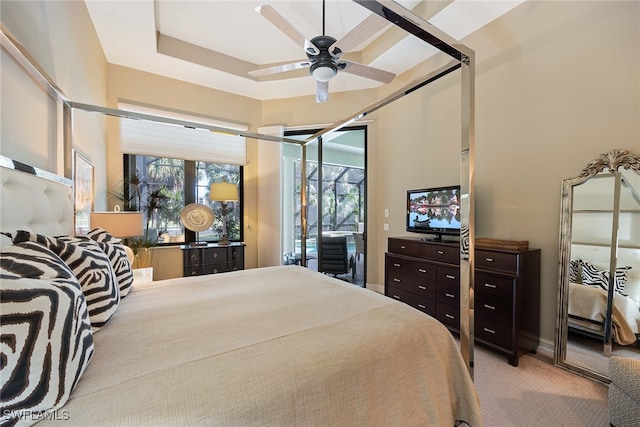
column 303, row 206
column 67, row 138
column 420, row 28
column 467, row 220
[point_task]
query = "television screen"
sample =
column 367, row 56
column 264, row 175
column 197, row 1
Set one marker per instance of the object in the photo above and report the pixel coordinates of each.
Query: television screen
column 434, row 210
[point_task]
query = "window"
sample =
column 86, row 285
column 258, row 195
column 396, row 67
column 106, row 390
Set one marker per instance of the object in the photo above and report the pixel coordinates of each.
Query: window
column 161, row 187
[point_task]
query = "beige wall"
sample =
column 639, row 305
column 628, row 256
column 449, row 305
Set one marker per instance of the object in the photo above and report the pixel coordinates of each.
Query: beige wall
column 557, row 84
column 71, row 55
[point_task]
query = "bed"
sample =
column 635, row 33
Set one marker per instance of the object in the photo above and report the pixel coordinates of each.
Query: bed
column 270, row 346
column 588, row 294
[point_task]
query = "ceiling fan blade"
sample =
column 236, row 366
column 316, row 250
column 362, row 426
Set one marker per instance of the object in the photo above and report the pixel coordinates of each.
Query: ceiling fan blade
column 371, row 25
column 368, row 72
column 279, row 69
column 322, row 91
column 282, row 24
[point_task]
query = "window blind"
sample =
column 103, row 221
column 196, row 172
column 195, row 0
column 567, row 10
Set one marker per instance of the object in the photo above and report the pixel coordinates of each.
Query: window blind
column 149, row 138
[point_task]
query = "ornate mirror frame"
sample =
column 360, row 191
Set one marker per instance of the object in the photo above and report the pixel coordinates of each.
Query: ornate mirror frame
column 612, row 161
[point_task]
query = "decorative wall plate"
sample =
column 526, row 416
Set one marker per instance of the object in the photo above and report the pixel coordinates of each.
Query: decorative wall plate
column 197, row 217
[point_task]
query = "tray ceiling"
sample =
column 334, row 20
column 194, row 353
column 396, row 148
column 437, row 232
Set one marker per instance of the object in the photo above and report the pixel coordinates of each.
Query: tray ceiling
column 215, row 43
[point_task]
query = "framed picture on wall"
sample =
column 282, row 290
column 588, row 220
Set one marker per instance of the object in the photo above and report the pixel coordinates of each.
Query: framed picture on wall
column 83, row 176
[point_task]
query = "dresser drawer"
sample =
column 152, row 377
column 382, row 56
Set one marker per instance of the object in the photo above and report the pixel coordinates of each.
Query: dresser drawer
column 448, row 275
column 236, row 256
column 426, row 305
column 409, row 283
column 448, row 294
column 448, row 315
column 192, row 257
column 219, row 267
column 215, row 255
column 404, row 247
column 494, row 307
column 497, row 260
column 450, row 254
column 493, row 331
column 410, row 266
column 494, row 285
column 192, row 270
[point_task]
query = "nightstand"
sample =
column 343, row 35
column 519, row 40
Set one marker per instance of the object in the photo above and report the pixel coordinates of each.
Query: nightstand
column 212, row 258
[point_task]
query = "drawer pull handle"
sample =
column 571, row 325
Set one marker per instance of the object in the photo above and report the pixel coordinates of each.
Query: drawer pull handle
column 194, row 257
column 422, row 306
column 396, row 297
column 422, row 270
column 424, row 288
column 396, row 280
column 489, row 307
column 403, row 247
column 450, row 295
column 489, row 259
column 450, row 316
column 489, row 285
column 448, row 276
column 440, row 253
column 395, row 264
column 491, row 331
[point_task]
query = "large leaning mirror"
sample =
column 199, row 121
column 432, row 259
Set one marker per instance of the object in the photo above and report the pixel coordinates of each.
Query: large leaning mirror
column 599, row 271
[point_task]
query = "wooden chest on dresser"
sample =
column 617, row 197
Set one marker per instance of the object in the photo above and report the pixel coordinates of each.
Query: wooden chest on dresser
column 426, row 275
column 212, row 258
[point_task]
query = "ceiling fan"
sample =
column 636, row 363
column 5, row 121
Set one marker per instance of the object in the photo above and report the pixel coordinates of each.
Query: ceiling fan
column 324, row 52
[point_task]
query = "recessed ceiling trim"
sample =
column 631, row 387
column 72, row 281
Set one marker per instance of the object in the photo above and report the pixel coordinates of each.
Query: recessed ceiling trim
column 199, row 55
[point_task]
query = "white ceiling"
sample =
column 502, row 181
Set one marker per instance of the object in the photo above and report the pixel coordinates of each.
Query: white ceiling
column 209, row 42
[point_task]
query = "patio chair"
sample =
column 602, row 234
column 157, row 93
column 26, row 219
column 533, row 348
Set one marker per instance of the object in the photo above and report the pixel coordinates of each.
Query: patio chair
column 334, row 257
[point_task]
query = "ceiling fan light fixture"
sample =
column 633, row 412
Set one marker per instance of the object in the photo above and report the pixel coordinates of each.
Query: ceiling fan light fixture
column 323, row 72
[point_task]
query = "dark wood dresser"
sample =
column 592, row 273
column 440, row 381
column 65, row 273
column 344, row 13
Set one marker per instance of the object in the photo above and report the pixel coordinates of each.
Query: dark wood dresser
column 426, row 275
column 212, row 258
column 507, row 300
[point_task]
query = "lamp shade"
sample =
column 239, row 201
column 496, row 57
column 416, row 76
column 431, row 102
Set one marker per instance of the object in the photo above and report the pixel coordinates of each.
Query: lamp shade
column 223, row 192
column 118, row 224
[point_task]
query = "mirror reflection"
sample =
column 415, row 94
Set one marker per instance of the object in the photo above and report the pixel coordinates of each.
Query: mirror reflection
column 600, row 271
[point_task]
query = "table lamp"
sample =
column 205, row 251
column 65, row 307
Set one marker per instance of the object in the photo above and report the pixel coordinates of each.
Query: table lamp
column 119, row 224
column 223, row 192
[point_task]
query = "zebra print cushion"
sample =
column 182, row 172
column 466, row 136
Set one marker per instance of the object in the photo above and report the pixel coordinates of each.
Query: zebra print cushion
column 118, row 257
column 575, row 275
column 46, row 334
column 598, row 277
column 91, row 266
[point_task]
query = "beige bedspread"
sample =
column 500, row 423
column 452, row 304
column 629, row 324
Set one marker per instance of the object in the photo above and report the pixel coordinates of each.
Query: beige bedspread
column 591, row 303
column 277, row 346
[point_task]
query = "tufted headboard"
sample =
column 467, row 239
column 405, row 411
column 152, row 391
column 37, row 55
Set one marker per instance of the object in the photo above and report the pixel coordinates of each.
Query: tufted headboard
column 34, row 200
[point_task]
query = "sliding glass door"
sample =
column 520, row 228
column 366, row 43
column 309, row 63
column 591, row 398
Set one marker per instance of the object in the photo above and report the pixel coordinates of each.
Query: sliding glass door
column 335, row 171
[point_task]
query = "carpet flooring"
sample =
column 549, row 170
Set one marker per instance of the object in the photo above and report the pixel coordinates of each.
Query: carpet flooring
column 536, row 393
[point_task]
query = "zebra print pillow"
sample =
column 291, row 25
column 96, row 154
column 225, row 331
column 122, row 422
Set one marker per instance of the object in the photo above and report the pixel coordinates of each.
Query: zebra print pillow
column 91, row 266
column 118, row 257
column 46, row 334
column 575, row 275
column 598, row 277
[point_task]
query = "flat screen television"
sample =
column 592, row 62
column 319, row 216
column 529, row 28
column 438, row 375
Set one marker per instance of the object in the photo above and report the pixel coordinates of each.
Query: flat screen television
column 434, row 211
